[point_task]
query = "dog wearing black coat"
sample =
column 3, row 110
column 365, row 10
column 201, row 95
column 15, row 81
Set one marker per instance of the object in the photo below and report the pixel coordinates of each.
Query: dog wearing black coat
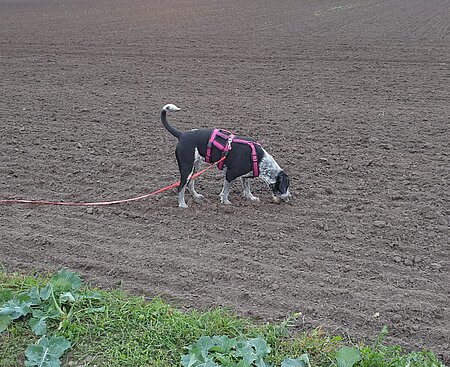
column 191, row 151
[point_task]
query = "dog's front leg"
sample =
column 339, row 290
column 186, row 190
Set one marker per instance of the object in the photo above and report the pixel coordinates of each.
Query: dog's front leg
column 247, row 193
column 225, row 192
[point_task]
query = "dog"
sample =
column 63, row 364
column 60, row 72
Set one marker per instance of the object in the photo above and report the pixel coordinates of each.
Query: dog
column 242, row 157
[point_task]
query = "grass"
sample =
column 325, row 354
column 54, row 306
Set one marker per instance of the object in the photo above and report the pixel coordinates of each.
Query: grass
column 123, row 330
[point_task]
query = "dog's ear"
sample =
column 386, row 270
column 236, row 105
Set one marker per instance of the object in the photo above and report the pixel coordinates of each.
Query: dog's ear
column 282, row 183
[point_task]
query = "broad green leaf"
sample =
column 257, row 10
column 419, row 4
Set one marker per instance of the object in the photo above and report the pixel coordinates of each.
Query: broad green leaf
column 36, row 356
column 347, row 356
column 227, row 352
column 5, row 320
column 302, row 361
column 38, row 326
column 261, row 347
column 65, row 281
column 198, row 353
column 67, row 297
column 34, row 297
column 15, row 309
column 186, row 360
column 224, row 359
column 208, row 364
column 206, row 342
column 247, row 353
column 46, row 352
column 38, row 313
column 46, row 292
column 193, row 359
column 202, row 347
column 241, row 347
column 224, row 344
column 190, row 360
column 58, row 345
column 48, row 310
column 260, row 362
column 242, row 363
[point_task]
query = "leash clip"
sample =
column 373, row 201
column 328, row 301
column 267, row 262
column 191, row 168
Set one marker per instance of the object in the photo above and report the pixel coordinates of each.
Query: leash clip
column 230, row 140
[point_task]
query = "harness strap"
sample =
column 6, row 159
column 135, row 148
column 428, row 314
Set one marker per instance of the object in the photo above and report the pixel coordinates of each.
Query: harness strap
column 255, row 160
column 213, row 142
column 229, row 138
column 209, row 146
column 254, row 155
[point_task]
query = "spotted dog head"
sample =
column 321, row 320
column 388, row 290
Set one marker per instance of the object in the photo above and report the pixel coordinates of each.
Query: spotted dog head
column 280, row 188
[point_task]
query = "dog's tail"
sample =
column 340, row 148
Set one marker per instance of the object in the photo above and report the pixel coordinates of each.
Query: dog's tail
column 170, row 128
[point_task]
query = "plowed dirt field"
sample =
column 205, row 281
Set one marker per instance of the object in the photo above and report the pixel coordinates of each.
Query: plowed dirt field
column 352, row 98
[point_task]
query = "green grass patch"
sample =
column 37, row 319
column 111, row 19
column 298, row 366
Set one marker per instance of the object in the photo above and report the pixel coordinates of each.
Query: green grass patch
column 117, row 329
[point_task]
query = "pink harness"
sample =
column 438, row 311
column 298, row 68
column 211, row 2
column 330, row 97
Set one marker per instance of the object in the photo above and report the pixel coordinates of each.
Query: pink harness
column 229, row 139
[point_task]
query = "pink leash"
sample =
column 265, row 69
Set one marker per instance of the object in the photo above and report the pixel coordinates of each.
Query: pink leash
column 104, row 203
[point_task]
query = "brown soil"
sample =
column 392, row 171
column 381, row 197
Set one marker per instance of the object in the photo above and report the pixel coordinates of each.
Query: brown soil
column 351, row 98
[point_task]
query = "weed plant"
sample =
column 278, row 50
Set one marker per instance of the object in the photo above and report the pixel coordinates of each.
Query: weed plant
column 116, row 329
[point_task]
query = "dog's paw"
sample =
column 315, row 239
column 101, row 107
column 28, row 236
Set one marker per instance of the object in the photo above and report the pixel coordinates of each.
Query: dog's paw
column 183, row 205
column 276, row 200
column 254, row 198
column 225, row 201
column 198, row 197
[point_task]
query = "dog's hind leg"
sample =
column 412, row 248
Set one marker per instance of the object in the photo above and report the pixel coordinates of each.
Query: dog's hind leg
column 181, row 201
column 186, row 166
column 182, row 191
column 191, row 188
column 194, row 193
column 247, row 193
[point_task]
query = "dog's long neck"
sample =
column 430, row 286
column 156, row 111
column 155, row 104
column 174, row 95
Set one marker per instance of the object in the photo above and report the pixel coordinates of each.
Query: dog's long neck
column 268, row 169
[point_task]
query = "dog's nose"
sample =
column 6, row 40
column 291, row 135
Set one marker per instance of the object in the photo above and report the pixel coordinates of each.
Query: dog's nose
column 286, row 197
